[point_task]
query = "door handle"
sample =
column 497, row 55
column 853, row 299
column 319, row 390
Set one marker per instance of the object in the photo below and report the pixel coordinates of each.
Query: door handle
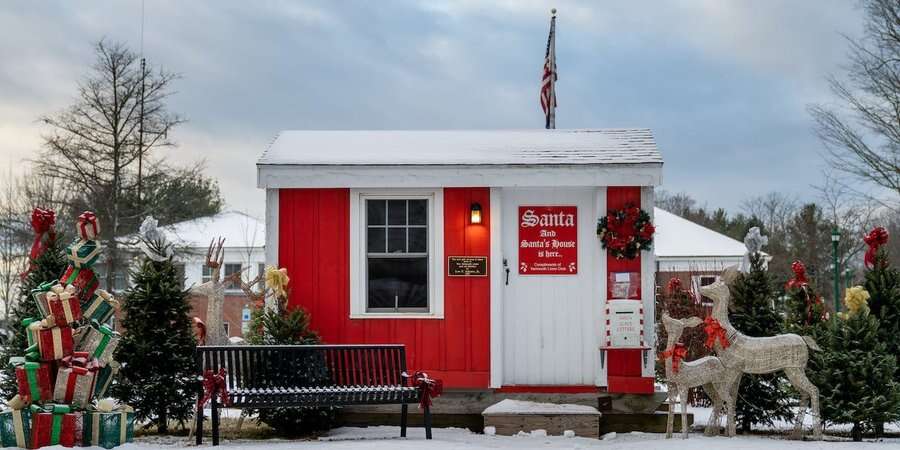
column 506, row 268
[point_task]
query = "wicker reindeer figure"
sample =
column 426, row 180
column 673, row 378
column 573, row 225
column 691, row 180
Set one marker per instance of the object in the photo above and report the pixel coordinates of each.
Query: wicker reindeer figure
column 787, row 352
column 214, row 290
column 708, row 372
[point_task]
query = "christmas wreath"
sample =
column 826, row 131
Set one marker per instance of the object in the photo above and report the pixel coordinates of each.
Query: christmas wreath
column 625, row 232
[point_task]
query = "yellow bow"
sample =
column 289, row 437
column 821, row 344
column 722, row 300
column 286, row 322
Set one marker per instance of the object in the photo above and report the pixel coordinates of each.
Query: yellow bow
column 277, row 280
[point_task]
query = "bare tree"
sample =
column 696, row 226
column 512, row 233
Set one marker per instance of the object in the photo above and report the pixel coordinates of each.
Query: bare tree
column 95, row 145
column 851, row 213
column 774, row 209
column 680, row 203
column 862, row 134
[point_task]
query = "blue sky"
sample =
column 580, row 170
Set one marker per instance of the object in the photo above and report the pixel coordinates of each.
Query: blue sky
column 724, row 85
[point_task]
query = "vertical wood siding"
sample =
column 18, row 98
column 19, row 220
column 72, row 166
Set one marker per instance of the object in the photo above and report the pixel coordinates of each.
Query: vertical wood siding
column 314, row 240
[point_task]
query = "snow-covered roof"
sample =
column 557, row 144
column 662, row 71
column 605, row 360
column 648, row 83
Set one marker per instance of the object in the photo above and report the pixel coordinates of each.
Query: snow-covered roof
column 238, row 229
column 679, row 237
column 684, row 246
column 463, row 147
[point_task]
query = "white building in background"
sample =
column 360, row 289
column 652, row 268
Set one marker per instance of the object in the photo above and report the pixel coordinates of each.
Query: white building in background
column 244, row 249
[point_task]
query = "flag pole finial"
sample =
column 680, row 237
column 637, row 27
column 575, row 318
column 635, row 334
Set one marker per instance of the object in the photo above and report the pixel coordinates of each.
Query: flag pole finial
column 553, row 11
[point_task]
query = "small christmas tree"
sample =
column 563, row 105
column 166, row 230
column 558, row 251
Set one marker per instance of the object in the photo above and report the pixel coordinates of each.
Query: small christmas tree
column 47, row 261
column 753, row 313
column 805, row 309
column 157, row 355
column 883, row 284
column 855, row 371
column 280, row 324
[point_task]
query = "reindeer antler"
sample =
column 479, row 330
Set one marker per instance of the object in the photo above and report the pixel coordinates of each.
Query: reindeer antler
column 216, row 253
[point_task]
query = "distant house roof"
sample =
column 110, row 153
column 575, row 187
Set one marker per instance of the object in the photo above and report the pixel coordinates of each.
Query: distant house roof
column 463, row 147
column 238, row 229
column 682, row 245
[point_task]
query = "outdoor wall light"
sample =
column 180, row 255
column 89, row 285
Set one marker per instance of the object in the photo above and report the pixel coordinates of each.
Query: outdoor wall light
column 476, row 213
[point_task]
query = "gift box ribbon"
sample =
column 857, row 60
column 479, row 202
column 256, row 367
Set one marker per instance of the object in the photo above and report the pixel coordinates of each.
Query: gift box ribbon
column 56, row 424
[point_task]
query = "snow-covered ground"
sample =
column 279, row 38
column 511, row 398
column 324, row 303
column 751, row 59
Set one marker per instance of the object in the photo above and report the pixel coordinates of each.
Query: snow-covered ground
column 384, row 438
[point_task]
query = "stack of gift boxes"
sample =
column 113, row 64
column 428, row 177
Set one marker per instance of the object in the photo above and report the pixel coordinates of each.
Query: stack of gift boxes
column 68, row 367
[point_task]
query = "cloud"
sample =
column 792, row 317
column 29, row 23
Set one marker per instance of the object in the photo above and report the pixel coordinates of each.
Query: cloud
column 723, row 84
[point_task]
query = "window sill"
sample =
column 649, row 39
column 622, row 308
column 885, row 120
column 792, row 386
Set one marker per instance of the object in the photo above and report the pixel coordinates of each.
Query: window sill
column 422, row 315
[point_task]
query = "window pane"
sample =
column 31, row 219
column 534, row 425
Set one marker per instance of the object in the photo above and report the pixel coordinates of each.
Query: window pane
column 375, row 242
column 375, row 212
column 207, row 273
column 418, row 240
column 418, row 212
column 398, row 281
column 396, row 212
column 230, row 269
column 396, row 240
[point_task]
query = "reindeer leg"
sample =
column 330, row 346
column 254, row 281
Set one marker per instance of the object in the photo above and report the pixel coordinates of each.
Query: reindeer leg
column 684, row 427
column 810, row 396
column 712, row 426
column 670, row 418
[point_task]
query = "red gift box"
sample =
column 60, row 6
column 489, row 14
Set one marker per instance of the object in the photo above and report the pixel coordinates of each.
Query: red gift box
column 34, row 381
column 64, row 305
column 87, row 226
column 83, row 279
column 54, row 342
column 55, row 425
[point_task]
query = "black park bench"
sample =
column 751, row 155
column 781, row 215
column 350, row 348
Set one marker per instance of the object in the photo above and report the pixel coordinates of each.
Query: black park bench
column 276, row 376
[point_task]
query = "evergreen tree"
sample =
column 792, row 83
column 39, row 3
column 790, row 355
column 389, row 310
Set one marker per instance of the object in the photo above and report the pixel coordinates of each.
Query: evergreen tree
column 805, row 309
column 286, row 325
column 883, row 284
column 762, row 397
column 855, row 371
column 158, row 372
column 48, row 266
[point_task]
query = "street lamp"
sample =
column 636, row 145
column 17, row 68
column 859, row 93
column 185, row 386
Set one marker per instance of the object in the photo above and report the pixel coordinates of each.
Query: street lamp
column 835, row 239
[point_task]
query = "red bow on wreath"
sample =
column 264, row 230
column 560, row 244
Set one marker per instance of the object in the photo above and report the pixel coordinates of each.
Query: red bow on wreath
column 428, row 388
column 214, row 384
column 714, row 331
column 875, row 239
column 42, row 221
column 799, row 279
column 677, row 354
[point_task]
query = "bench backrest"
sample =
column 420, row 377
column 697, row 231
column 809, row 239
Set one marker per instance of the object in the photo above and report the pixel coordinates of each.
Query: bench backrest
column 273, row 366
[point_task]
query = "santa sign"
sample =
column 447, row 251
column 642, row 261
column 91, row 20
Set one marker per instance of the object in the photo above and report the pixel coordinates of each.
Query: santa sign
column 548, row 240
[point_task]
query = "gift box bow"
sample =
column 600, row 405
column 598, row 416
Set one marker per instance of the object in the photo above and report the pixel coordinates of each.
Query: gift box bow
column 80, row 363
column 110, row 406
column 107, row 297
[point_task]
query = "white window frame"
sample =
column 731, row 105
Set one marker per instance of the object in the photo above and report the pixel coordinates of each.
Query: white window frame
column 358, row 257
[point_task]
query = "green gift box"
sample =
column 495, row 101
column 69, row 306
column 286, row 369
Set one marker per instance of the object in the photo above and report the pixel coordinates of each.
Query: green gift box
column 104, row 378
column 83, row 252
column 15, row 428
column 108, row 429
column 100, row 307
column 99, row 341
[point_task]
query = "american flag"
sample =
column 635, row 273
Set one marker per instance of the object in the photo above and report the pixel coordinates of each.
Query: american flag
column 548, row 82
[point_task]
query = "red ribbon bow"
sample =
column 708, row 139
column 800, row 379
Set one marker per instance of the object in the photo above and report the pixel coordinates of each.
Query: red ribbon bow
column 428, row 388
column 677, row 354
column 799, row 279
column 214, row 384
column 80, row 363
column 674, row 286
column 42, row 221
column 875, row 239
column 714, row 331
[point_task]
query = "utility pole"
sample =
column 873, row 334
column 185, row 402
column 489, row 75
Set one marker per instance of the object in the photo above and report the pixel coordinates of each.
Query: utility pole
column 141, row 132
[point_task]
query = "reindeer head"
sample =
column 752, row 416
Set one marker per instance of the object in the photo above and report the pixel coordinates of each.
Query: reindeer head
column 675, row 327
column 719, row 292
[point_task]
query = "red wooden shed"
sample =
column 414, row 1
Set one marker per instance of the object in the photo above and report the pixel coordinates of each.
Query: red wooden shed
column 476, row 249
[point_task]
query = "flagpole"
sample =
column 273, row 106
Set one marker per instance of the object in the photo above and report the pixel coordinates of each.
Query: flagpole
column 551, row 119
